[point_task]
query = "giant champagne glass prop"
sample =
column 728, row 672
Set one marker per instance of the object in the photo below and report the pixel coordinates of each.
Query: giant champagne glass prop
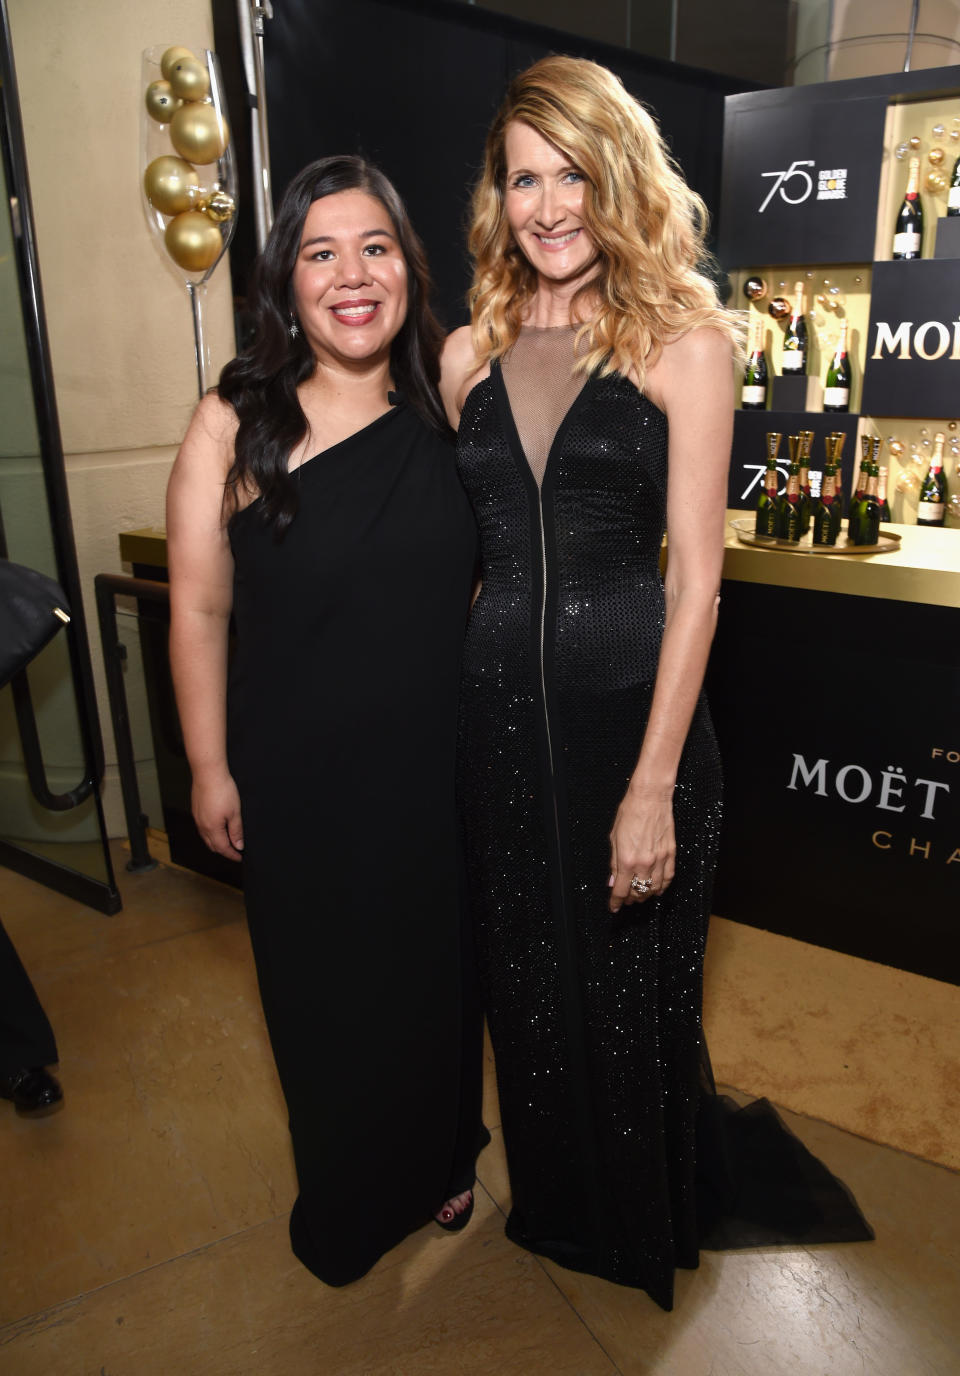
column 189, row 175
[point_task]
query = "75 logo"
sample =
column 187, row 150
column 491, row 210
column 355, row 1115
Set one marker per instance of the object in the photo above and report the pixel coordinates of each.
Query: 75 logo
column 803, row 183
column 759, row 469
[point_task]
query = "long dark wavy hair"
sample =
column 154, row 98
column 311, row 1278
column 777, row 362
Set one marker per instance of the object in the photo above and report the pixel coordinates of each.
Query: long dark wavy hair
column 261, row 382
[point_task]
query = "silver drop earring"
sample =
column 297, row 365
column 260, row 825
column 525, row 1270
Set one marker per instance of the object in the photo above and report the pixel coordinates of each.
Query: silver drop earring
column 294, row 327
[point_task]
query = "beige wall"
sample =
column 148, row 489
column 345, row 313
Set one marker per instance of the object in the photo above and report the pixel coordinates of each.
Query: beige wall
column 119, row 321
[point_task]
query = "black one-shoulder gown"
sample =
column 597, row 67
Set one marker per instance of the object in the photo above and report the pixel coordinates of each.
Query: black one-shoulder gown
column 342, row 734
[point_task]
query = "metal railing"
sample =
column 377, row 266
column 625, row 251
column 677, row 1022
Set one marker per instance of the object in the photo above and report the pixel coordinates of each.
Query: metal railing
column 110, row 586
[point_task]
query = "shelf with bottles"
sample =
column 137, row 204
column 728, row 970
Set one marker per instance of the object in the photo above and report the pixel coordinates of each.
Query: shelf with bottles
column 904, row 451
column 836, row 312
column 921, row 137
column 911, row 448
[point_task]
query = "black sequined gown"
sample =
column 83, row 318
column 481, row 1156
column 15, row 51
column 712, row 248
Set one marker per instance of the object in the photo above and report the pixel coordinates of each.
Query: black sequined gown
column 595, row 1019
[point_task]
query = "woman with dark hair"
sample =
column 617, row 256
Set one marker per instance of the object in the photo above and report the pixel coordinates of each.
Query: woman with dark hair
column 316, row 500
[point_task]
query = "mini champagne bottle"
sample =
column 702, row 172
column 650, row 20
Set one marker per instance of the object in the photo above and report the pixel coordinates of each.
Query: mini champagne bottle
column 753, row 393
column 908, row 230
column 836, row 393
column 868, row 510
column 882, row 496
column 788, row 506
column 953, row 195
column 766, row 523
column 841, row 439
column 806, row 501
column 794, row 360
column 828, row 507
column 932, row 505
column 860, row 491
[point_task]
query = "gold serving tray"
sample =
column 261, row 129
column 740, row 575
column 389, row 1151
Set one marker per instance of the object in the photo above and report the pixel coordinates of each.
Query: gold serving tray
column 746, row 533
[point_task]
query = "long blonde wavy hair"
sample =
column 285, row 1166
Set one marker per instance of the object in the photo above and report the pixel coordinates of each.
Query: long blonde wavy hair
column 647, row 224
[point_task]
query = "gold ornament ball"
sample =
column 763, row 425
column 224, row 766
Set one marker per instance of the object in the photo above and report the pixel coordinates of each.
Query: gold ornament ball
column 895, row 447
column 779, row 308
column 220, row 205
column 935, row 182
column 171, row 184
column 198, row 133
column 908, row 483
column 171, row 57
column 189, row 79
column 193, row 241
column 754, row 288
column 914, row 142
column 935, row 156
column 160, row 101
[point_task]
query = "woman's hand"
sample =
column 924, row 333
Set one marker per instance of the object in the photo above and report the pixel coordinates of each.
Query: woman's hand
column 215, row 802
column 642, row 843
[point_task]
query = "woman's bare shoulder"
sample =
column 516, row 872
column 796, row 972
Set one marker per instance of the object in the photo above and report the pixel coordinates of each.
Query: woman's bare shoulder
column 211, row 433
column 459, row 372
column 700, row 359
column 215, row 419
column 458, row 349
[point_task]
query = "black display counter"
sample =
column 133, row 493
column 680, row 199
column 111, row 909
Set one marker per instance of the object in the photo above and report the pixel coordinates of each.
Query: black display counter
column 834, row 683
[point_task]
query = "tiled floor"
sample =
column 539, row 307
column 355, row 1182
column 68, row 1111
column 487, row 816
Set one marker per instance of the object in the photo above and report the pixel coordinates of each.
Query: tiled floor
column 143, row 1228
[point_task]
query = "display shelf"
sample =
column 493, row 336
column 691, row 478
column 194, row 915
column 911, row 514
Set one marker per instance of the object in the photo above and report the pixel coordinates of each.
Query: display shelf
column 916, row 117
column 848, row 286
column 903, row 326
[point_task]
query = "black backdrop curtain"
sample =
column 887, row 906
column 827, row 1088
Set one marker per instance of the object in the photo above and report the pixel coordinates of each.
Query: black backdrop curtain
column 414, row 86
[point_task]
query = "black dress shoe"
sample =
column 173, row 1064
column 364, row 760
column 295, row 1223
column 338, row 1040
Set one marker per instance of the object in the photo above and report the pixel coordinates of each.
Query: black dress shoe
column 33, row 1091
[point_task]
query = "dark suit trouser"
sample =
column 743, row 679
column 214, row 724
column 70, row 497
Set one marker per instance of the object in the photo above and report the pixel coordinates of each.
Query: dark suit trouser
column 26, row 1037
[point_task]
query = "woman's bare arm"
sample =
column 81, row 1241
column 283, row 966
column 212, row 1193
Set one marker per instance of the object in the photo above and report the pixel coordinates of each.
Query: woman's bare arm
column 201, row 597
column 693, row 382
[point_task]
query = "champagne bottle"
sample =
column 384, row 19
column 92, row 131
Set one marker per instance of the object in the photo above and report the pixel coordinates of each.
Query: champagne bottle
column 932, row 505
column 882, row 496
column 753, row 393
column 794, row 361
column 868, row 510
column 953, row 195
column 860, row 491
column 908, row 230
column 788, row 506
column 767, row 501
column 806, row 501
column 840, row 439
column 828, row 507
column 836, row 393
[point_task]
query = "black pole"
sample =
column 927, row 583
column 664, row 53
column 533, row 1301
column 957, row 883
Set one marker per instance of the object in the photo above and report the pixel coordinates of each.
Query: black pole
column 108, row 587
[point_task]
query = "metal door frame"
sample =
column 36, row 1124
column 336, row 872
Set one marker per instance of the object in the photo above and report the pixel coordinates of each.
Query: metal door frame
column 99, row 894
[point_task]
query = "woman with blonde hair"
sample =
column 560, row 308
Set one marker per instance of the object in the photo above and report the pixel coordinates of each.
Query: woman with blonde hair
column 594, row 393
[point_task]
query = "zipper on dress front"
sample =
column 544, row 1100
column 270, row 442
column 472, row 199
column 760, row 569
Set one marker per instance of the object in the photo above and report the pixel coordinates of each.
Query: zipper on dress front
column 543, row 673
